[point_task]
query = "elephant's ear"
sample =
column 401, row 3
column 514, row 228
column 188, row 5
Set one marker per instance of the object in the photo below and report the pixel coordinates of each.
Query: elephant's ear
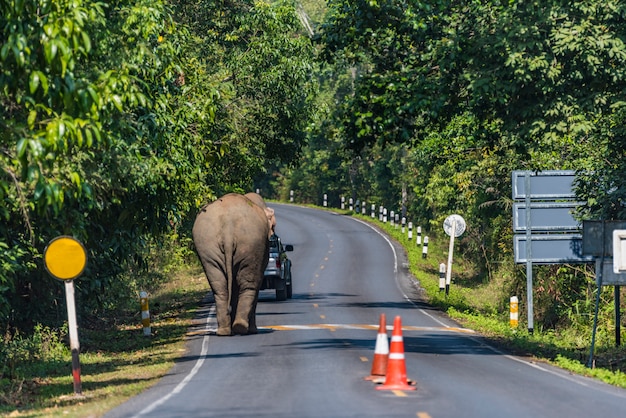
column 271, row 219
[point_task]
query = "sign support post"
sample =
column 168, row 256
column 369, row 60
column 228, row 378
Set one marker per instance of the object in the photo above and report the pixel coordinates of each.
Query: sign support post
column 450, row 251
column 65, row 259
column 73, row 329
column 617, row 316
column 599, row 265
column 454, row 226
column 529, row 258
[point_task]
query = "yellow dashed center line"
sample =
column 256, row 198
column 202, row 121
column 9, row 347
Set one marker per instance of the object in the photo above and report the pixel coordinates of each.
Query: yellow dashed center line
column 362, row 326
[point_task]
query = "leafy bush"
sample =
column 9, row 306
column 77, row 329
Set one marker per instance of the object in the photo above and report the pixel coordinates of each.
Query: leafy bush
column 42, row 351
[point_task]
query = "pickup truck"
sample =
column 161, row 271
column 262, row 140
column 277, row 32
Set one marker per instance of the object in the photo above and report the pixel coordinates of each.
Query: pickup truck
column 278, row 271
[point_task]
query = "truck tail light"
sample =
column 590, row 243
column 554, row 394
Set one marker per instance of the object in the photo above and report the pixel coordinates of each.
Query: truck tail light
column 274, row 261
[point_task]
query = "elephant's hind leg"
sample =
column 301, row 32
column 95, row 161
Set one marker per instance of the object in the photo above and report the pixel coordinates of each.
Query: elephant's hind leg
column 246, row 306
column 217, row 282
column 223, row 315
column 252, row 328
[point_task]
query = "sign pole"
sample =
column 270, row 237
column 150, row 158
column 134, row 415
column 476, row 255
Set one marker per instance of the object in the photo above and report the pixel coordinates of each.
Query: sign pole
column 450, row 251
column 529, row 263
column 454, row 226
column 617, row 317
column 73, row 329
column 599, row 265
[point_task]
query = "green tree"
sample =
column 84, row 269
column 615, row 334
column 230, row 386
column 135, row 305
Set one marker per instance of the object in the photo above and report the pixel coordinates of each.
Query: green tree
column 119, row 119
column 88, row 142
column 474, row 90
column 261, row 61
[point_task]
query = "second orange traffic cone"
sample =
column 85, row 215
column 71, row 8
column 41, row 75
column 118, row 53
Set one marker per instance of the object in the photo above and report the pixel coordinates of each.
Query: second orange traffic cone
column 381, row 352
column 396, row 367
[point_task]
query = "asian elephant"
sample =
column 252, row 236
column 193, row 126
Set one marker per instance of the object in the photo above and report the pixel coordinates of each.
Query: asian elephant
column 231, row 236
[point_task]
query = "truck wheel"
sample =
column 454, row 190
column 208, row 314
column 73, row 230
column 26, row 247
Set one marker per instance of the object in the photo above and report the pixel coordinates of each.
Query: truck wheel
column 281, row 294
column 290, row 287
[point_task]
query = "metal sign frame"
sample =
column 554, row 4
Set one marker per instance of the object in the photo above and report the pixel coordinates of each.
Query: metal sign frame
column 598, row 237
column 528, row 188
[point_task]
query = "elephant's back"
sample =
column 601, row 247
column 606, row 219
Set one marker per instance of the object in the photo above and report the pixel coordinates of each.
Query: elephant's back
column 232, row 217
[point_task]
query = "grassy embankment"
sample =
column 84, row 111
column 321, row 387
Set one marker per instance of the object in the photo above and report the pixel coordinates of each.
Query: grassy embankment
column 117, row 360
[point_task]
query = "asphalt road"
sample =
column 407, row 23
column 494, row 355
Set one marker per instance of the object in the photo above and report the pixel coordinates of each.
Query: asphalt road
column 313, row 351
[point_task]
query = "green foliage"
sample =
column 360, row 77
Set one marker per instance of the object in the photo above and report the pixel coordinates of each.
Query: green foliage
column 118, row 120
column 82, row 147
column 522, row 63
column 38, row 354
column 601, row 181
column 440, row 101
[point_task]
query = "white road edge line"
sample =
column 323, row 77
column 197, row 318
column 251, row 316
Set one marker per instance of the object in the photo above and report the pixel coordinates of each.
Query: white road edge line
column 190, row 375
column 395, row 272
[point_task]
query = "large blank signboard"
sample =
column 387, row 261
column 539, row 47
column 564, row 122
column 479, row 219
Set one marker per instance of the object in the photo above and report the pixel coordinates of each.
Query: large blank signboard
column 551, row 249
column 546, row 217
column 553, row 184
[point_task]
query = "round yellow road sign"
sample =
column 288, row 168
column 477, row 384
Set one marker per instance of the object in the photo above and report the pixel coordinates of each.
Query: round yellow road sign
column 65, row 258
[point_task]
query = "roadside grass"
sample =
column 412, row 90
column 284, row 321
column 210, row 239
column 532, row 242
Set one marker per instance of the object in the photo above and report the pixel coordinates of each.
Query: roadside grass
column 117, row 361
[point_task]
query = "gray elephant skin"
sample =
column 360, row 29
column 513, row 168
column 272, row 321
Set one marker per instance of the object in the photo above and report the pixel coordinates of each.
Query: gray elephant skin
column 231, row 238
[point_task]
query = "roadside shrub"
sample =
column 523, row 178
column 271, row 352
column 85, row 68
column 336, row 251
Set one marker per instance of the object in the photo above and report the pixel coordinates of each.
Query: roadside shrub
column 40, row 353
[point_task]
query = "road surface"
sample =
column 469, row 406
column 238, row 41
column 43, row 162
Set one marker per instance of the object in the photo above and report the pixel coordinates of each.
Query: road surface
column 313, row 351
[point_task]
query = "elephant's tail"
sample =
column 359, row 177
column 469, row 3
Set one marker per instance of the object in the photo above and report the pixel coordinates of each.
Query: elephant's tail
column 228, row 258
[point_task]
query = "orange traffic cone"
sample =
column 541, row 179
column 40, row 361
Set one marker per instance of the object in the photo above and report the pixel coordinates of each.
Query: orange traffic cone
column 396, row 368
column 381, row 352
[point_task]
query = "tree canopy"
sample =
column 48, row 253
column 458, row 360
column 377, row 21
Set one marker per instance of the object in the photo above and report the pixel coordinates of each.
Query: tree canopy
column 436, row 102
column 118, row 120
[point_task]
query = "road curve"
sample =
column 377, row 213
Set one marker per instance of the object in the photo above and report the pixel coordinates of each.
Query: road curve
column 314, row 350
